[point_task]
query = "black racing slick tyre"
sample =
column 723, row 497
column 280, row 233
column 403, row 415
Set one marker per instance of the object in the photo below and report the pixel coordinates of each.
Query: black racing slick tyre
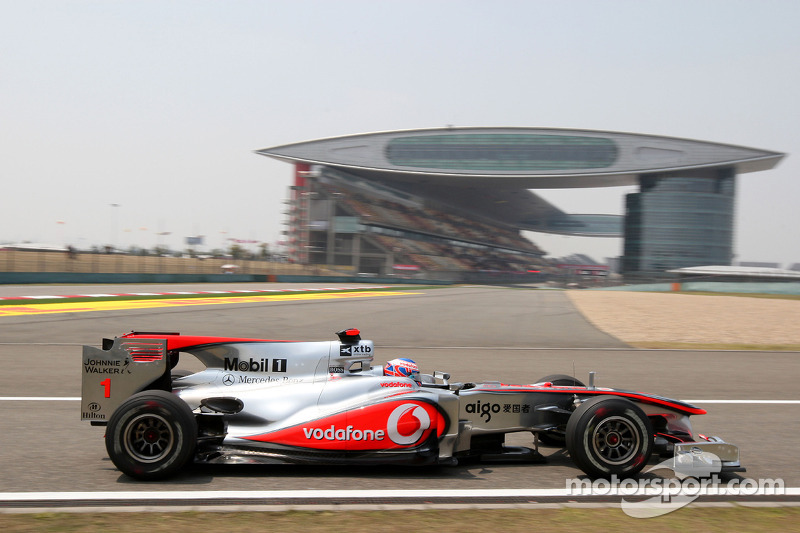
column 556, row 437
column 561, row 380
column 607, row 436
column 151, row 435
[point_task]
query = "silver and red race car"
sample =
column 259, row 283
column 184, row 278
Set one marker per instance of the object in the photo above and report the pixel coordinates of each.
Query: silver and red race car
column 268, row 401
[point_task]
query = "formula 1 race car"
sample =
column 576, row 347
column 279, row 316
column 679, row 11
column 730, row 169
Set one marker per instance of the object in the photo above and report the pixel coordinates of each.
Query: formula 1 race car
column 268, row 401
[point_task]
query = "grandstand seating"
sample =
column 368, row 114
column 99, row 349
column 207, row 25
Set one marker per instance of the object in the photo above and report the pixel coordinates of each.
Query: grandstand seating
column 433, row 238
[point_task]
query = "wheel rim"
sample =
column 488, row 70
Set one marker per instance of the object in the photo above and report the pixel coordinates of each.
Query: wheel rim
column 149, row 438
column 615, row 440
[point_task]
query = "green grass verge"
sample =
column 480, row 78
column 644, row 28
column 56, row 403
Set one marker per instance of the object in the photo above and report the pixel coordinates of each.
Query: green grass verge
column 716, row 346
column 740, row 519
column 741, row 295
column 35, row 301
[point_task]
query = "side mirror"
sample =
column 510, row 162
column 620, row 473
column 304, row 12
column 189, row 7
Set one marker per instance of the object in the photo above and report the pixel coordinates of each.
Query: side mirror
column 444, row 376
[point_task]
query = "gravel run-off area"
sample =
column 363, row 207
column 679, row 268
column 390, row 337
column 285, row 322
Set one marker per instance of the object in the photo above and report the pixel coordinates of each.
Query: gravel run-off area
column 642, row 317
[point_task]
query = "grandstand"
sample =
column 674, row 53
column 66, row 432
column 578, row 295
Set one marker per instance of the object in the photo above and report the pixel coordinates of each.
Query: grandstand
column 455, row 200
column 350, row 224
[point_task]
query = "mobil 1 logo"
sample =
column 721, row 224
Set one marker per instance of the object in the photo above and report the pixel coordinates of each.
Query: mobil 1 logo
column 255, row 365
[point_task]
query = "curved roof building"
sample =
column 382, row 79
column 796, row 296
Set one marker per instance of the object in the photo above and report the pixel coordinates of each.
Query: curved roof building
column 682, row 216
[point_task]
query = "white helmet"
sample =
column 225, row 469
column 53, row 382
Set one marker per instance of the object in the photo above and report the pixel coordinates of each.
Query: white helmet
column 402, row 367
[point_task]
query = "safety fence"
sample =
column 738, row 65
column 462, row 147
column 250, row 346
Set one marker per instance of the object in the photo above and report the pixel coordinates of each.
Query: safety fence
column 21, row 267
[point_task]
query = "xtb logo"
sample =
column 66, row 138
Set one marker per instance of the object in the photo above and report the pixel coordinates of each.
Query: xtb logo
column 356, row 349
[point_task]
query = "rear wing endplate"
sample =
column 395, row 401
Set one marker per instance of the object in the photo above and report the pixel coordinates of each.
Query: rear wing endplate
column 111, row 376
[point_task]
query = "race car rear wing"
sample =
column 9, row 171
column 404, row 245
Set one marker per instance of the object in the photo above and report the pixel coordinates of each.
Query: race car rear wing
column 122, row 368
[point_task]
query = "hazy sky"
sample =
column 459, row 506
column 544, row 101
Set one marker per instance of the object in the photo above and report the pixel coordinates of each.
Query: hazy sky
column 157, row 106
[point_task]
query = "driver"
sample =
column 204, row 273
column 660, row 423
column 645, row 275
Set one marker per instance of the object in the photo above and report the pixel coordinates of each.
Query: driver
column 402, row 367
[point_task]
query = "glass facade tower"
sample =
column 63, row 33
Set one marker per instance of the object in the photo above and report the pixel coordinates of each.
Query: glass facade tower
column 680, row 220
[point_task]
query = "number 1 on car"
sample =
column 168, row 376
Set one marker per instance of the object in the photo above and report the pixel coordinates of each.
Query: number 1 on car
column 106, row 384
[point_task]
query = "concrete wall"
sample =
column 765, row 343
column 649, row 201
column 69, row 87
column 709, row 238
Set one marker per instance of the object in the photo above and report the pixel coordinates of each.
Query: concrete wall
column 59, row 278
column 23, row 278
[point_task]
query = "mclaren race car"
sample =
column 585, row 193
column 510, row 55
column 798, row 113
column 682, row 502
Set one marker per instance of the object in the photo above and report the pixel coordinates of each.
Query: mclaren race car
column 269, row 401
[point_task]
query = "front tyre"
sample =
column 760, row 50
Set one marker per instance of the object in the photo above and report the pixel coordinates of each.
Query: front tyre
column 609, row 436
column 561, row 380
column 151, row 435
column 556, row 437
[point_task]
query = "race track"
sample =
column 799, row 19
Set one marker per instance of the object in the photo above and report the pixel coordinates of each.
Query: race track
column 512, row 335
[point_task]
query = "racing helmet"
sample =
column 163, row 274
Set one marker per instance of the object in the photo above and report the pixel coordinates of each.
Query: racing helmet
column 402, row 367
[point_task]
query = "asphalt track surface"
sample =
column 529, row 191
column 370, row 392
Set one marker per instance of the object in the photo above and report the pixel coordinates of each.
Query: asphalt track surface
column 509, row 334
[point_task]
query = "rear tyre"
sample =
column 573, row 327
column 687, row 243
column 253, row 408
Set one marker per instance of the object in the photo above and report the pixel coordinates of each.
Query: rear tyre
column 609, row 436
column 151, row 435
column 556, row 437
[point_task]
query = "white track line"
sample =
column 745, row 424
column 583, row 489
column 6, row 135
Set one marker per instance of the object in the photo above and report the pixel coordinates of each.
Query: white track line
column 39, row 399
column 77, row 398
column 319, row 494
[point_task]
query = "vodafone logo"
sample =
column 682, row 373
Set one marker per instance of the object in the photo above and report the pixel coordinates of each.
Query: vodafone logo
column 384, row 426
column 407, row 423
